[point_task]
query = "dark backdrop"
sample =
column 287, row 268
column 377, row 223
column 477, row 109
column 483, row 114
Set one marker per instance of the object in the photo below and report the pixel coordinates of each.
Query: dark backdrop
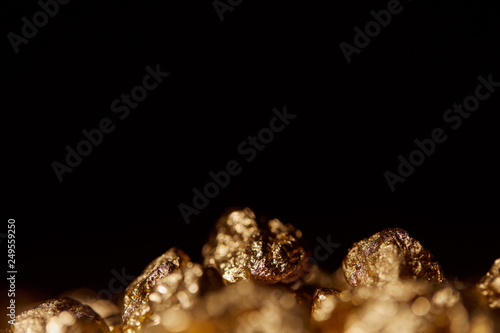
column 323, row 173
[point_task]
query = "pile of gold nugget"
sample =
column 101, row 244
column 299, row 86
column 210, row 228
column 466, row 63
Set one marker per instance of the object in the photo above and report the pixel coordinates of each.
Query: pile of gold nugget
column 257, row 276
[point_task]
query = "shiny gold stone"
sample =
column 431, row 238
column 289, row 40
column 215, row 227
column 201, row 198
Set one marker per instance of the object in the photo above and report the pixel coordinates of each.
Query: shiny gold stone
column 388, row 256
column 243, row 248
column 61, row 315
column 489, row 285
column 402, row 306
column 136, row 307
column 244, row 307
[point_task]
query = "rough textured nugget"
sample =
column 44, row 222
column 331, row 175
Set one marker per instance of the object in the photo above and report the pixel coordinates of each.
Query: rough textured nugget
column 388, row 256
column 243, row 248
column 60, row 315
column 489, row 285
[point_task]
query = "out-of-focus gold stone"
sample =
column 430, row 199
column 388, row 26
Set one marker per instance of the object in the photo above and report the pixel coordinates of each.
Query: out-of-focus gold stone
column 136, row 302
column 489, row 285
column 243, row 248
column 388, row 256
column 61, row 315
column 483, row 319
column 109, row 311
column 402, row 306
column 244, row 307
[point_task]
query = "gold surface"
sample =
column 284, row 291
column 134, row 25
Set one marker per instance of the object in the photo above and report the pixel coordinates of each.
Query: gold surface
column 388, row 256
column 243, row 248
column 61, row 315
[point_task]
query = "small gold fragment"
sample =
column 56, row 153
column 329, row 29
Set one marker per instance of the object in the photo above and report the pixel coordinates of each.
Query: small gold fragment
column 388, row 256
column 60, row 315
column 243, row 248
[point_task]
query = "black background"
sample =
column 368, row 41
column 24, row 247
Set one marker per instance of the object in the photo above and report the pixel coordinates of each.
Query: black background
column 323, row 173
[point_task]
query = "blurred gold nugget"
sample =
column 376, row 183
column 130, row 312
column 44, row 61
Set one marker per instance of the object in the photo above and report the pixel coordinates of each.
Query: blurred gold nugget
column 244, row 307
column 388, row 256
column 61, row 315
column 489, row 285
column 243, row 248
column 401, row 306
column 109, row 311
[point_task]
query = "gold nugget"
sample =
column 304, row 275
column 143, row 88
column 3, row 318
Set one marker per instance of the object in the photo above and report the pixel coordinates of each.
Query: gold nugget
column 136, row 309
column 489, row 285
column 61, row 315
column 388, row 256
column 243, row 248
